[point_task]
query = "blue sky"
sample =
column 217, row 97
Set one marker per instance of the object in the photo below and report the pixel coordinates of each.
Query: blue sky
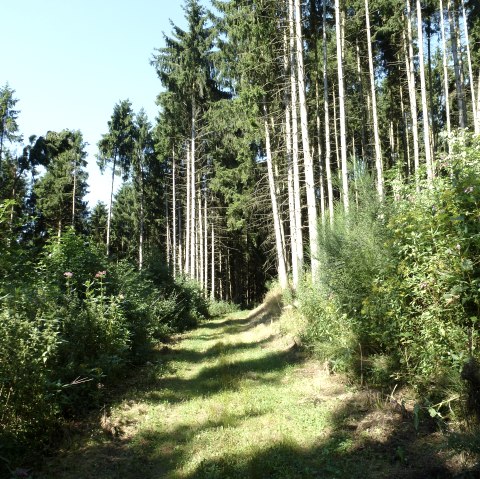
column 69, row 62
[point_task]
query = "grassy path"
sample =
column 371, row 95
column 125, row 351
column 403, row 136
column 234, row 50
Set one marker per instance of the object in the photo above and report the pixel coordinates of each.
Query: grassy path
column 233, row 399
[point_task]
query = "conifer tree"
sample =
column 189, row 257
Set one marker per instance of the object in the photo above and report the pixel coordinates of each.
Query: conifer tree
column 117, row 148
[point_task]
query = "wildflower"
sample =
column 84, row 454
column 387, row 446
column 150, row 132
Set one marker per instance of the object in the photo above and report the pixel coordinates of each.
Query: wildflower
column 68, row 274
column 458, row 247
column 469, row 189
column 100, row 274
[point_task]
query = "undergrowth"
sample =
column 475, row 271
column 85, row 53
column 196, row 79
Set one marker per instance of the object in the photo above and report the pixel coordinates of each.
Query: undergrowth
column 397, row 299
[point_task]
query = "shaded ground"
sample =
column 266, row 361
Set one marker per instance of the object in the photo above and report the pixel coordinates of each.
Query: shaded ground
column 234, row 399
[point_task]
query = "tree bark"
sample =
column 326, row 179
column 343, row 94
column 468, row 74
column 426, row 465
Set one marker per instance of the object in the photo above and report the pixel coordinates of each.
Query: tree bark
column 295, row 152
column 445, row 75
column 470, row 72
column 341, row 104
column 412, row 90
column 174, row 213
column 307, row 157
column 188, row 221
column 456, row 66
column 378, row 147
column 326, row 106
column 423, row 87
column 281, row 265
column 193, row 191
column 109, row 217
column 212, row 274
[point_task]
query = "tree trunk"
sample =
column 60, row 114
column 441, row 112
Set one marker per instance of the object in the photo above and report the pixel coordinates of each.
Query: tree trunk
column 307, row 157
column 405, row 136
column 295, row 153
column 291, row 196
column 205, row 245
column 423, row 87
column 470, row 71
column 168, row 234
column 193, row 190
column 445, row 75
column 378, row 147
column 456, row 66
column 174, row 214
column 212, row 274
column 282, row 271
column 412, row 89
column 142, row 215
column 188, row 221
column 341, row 102
column 201, row 246
column 433, row 139
column 360, row 89
column 328, row 148
column 319, row 147
column 109, row 217
column 74, row 192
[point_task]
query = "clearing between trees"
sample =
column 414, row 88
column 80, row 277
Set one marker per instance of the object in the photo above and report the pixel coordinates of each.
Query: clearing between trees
column 236, row 398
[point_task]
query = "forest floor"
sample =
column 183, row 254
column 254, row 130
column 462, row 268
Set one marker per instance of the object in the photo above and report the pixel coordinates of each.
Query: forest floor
column 237, row 399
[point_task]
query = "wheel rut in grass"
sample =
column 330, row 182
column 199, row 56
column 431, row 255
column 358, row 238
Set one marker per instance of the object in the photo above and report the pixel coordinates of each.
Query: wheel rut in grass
column 236, row 399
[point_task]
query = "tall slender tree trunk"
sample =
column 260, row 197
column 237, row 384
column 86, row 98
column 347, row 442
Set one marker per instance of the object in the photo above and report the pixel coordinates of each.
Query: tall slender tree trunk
column 433, row 138
column 319, row 148
column 445, row 74
column 335, row 132
column 456, row 66
column 412, row 93
column 405, row 135
column 295, row 153
column 478, row 101
column 141, row 234
column 378, row 147
column 74, row 190
column 181, row 242
column 168, row 233
column 423, row 87
column 341, row 104
column 205, row 244
column 174, row 213
column 326, row 107
column 188, row 221
column 109, row 217
column 201, row 246
column 470, row 71
column 193, row 190
column 288, row 141
column 212, row 274
column 360, row 89
column 307, row 157
column 282, row 271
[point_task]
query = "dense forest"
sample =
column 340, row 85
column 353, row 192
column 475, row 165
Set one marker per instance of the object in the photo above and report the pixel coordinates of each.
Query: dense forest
column 332, row 147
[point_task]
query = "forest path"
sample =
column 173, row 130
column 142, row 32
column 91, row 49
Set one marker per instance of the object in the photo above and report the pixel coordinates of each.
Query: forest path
column 235, row 399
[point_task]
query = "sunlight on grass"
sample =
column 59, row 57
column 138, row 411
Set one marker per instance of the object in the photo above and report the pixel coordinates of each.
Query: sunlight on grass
column 236, row 400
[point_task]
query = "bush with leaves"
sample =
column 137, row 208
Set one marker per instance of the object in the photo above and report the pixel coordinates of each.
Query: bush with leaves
column 401, row 281
column 28, row 393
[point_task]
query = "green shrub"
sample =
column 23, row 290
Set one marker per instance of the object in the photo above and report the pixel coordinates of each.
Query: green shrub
column 399, row 282
column 218, row 308
column 69, row 262
column 329, row 332
column 28, row 395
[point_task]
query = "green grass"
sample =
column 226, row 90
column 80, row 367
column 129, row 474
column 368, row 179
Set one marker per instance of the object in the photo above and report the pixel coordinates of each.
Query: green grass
column 233, row 399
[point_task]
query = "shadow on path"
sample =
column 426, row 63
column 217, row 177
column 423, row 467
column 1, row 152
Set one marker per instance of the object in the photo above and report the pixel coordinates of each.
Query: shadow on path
column 361, row 441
